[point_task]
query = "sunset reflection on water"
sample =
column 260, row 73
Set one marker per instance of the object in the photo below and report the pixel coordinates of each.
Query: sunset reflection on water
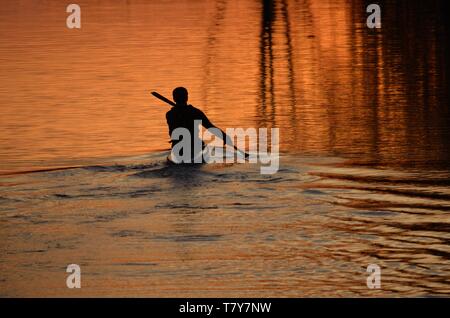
column 364, row 134
column 312, row 68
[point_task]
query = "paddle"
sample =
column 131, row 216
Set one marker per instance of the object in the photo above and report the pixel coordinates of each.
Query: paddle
column 159, row 96
column 168, row 101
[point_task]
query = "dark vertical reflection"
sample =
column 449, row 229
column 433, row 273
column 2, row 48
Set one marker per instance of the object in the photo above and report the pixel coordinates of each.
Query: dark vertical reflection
column 267, row 69
column 378, row 96
column 407, row 73
column 371, row 75
column 290, row 63
column 211, row 45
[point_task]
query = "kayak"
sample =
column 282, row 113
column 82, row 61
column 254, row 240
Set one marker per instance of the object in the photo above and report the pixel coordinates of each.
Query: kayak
column 172, row 162
column 207, row 157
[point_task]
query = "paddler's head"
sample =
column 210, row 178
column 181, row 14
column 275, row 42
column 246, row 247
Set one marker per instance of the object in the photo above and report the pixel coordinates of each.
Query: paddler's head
column 180, row 96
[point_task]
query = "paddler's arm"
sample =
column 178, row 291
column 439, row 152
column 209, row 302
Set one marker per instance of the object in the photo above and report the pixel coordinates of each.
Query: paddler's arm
column 226, row 139
column 208, row 124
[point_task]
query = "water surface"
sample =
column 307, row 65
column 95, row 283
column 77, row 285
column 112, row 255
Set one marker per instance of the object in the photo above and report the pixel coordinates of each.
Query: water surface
column 364, row 134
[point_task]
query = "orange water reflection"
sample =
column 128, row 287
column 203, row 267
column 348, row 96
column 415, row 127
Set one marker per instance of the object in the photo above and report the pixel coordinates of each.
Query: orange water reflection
column 311, row 68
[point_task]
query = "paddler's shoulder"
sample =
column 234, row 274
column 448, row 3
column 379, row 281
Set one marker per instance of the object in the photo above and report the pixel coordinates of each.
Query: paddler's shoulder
column 183, row 110
column 176, row 109
column 194, row 110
